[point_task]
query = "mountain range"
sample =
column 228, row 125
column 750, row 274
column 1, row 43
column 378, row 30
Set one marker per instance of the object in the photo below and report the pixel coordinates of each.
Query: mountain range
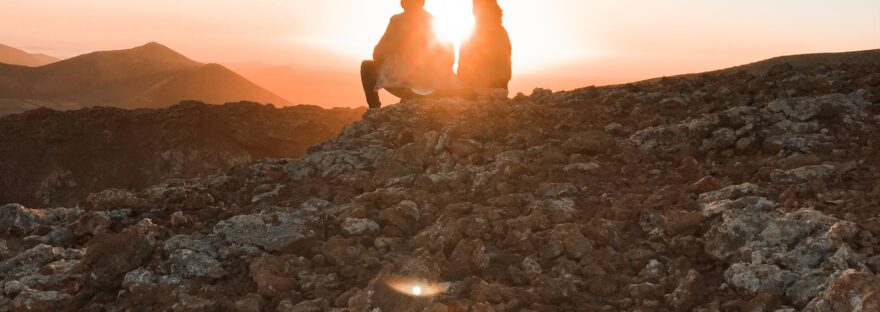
column 10, row 55
column 147, row 76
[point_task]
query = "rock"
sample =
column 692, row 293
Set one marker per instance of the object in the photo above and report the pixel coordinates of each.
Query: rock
column 36, row 300
column 615, row 129
column 250, row 303
column 273, row 275
column 531, row 266
column 30, row 260
column 850, row 291
column 91, row 223
column 718, row 207
column 190, row 264
column 16, row 220
column 557, row 190
column 187, row 302
column 114, row 199
column 727, row 193
column 557, row 210
column 401, row 219
column 357, row 227
column 572, row 240
column 581, row 167
column 110, row 256
column 468, row 257
column 589, row 143
column 682, row 222
column 655, row 270
column 139, row 280
column 759, row 277
column 804, row 174
column 208, row 245
column 274, row 231
column 688, row 293
column 316, row 305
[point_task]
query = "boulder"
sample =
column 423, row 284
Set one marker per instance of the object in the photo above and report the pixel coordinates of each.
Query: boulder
column 274, row 231
column 273, row 275
column 357, row 227
column 40, row 301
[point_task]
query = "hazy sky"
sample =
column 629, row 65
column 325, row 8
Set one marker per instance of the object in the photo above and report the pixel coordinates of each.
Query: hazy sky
column 601, row 38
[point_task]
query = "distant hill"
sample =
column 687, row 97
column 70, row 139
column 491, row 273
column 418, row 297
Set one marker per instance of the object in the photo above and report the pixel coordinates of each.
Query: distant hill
column 806, row 60
column 13, row 56
column 149, row 76
column 866, row 57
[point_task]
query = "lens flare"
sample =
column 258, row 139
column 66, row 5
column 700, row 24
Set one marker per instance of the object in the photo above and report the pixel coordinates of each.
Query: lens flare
column 415, row 287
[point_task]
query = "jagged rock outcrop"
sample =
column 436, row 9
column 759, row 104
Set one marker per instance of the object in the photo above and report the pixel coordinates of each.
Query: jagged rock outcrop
column 50, row 158
column 721, row 192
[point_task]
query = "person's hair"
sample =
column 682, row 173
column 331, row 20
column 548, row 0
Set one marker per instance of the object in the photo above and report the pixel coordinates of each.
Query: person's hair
column 412, row 4
column 488, row 11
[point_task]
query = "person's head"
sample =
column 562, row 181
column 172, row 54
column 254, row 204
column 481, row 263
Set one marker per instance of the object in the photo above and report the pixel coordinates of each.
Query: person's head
column 487, row 11
column 412, row 5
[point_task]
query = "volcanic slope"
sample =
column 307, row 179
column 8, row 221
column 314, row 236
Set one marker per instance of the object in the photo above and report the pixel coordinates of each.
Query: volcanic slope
column 718, row 192
column 50, row 158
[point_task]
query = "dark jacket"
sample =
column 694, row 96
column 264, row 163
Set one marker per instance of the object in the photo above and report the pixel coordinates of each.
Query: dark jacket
column 484, row 60
column 410, row 56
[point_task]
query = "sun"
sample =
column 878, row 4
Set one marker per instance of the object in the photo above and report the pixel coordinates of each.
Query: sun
column 453, row 19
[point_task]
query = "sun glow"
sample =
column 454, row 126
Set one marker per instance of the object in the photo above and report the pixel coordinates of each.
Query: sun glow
column 453, row 19
column 415, row 287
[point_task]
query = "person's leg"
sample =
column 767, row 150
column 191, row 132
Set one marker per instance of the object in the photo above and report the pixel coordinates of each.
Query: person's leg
column 403, row 93
column 369, row 78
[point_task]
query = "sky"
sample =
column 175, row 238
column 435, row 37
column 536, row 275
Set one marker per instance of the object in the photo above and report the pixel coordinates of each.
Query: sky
column 603, row 40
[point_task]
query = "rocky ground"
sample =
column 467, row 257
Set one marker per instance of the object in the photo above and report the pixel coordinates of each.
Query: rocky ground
column 50, row 158
column 720, row 192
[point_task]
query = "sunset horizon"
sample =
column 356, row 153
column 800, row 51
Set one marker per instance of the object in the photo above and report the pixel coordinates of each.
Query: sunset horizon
column 567, row 44
column 440, row 155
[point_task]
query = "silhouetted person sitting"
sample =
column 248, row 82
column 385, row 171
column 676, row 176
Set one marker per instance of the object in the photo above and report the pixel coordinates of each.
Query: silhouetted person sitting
column 409, row 61
column 484, row 66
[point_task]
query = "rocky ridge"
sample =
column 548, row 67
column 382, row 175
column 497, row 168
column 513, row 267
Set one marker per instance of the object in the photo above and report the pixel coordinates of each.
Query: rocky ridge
column 720, row 192
column 50, row 158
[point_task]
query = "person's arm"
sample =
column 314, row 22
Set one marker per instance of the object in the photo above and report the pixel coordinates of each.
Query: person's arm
column 388, row 43
column 508, row 49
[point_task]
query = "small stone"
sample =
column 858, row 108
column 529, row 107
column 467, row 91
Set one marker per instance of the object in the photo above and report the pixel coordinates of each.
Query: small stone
column 36, row 300
column 468, row 257
column 179, row 219
column 356, row 227
column 730, row 192
column 655, row 270
column 191, row 264
column 139, row 280
column 581, row 167
column 317, row 305
column 589, row 143
column 752, row 277
column 193, row 303
column 531, row 266
column 573, row 241
column 273, row 275
column 250, row 303
column 688, row 293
